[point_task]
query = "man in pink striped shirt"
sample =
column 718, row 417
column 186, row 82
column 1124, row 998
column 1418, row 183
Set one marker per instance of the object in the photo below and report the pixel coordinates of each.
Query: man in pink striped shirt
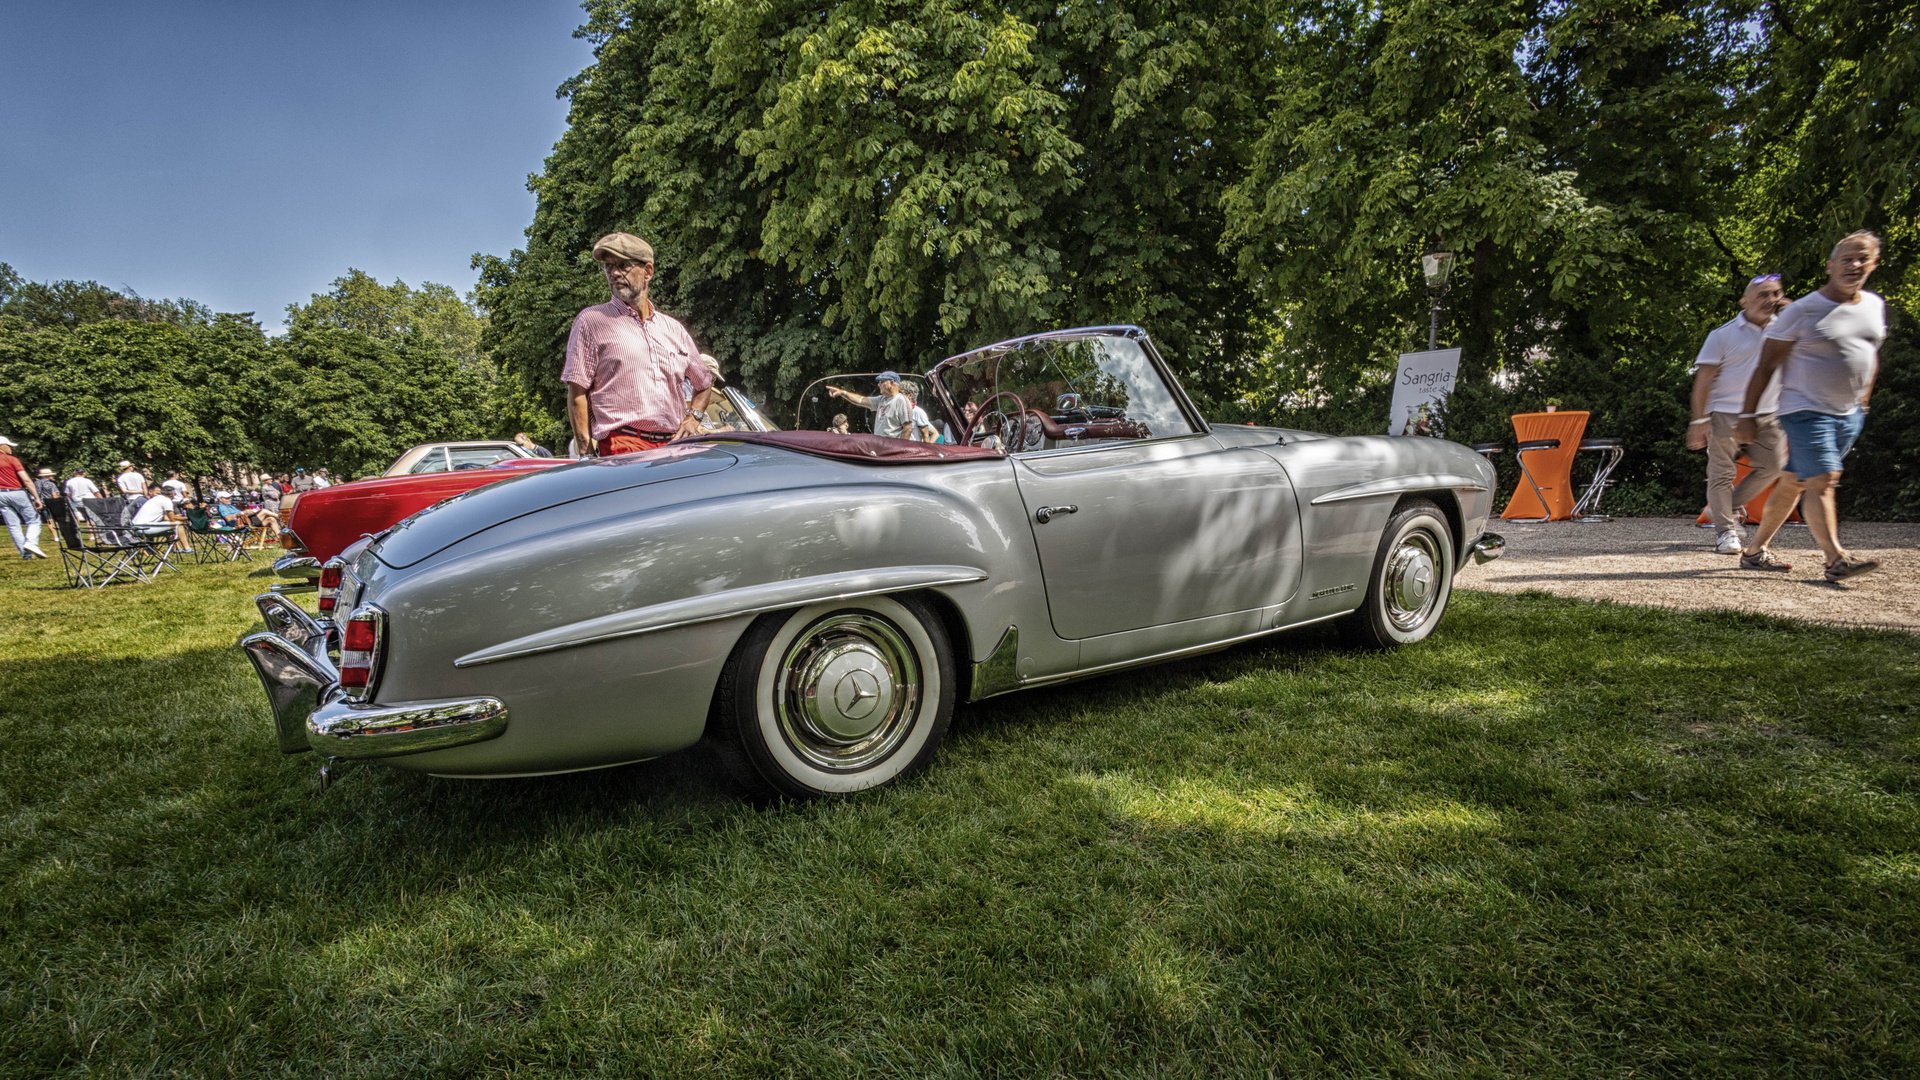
column 628, row 363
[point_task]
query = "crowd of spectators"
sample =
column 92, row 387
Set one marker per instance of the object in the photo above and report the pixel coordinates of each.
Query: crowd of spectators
column 33, row 501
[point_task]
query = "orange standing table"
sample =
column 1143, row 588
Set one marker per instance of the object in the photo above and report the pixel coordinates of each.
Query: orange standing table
column 1552, row 470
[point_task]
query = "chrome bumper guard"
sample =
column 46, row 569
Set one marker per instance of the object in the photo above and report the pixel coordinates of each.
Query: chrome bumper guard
column 1487, row 548
column 303, row 688
column 349, row 729
column 303, row 570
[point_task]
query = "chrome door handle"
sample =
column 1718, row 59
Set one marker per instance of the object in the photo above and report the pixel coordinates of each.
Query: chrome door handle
column 1046, row 513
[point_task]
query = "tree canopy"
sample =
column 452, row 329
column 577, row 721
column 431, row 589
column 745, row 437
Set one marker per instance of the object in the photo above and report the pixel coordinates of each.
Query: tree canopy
column 91, row 375
column 866, row 183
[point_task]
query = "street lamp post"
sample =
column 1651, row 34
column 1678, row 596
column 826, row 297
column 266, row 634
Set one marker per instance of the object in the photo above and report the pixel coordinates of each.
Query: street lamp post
column 1435, row 266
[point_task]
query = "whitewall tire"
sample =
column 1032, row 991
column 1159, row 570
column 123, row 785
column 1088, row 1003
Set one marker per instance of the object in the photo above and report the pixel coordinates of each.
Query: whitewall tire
column 835, row 698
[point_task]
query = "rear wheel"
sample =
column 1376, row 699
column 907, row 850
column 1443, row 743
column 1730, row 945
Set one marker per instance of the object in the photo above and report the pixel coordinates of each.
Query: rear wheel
column 835, row 698
column 1412, row 580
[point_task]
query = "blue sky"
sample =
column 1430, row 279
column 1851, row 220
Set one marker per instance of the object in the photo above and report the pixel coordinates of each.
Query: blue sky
column 246, row 154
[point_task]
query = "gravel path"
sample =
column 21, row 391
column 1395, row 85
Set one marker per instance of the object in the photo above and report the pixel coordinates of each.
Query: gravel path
column 1669, row 562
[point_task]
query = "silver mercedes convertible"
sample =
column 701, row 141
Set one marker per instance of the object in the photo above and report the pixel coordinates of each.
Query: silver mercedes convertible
column 815, row 602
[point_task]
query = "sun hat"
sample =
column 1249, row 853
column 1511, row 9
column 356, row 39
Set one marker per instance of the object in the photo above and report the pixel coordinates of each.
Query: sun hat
column 623, row 246
column 46, row 472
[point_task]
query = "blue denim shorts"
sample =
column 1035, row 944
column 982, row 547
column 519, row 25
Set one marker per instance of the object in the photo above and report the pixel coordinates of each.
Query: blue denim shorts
column 1816, row 441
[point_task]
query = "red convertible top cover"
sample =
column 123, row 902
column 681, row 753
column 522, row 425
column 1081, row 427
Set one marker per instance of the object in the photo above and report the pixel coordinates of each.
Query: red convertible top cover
column 865, row 449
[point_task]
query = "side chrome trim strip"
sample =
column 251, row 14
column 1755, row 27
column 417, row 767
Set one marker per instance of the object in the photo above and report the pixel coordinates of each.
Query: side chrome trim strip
column 353, row 730
column 1159, row 658
column 295, row 681
column 727, row 604
column 1394, row 485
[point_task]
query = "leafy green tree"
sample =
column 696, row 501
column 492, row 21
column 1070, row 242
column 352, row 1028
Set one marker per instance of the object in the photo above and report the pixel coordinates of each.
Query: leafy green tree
column 352, row 402
column 94, row 394
column 885, row 183
column 359, row 302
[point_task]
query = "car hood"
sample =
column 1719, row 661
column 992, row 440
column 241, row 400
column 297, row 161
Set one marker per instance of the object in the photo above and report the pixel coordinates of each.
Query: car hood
column 442, row 525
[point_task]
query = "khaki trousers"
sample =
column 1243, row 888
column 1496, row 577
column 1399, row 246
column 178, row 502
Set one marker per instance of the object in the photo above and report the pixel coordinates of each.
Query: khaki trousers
column 1767, row 453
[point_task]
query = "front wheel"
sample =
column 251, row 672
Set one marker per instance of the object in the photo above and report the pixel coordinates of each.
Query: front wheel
column 1412, row 580
column 835, row 698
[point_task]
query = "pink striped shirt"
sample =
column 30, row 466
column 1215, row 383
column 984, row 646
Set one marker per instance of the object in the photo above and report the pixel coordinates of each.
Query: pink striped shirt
column 635, row 373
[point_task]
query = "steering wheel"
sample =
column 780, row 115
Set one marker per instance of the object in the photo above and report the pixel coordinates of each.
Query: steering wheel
column 1006, row 425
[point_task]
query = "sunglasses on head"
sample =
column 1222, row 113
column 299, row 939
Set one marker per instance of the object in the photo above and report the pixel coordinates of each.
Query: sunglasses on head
column 1763, row 278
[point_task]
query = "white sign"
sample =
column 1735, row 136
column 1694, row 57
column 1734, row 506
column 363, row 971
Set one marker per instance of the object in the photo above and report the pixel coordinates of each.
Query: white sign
column 1420, row 384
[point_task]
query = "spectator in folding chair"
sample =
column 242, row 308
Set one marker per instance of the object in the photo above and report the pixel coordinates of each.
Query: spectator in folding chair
column 225, row 541
column 158, row 517
column 264, row 523
column 250, row 521
column 95, row 553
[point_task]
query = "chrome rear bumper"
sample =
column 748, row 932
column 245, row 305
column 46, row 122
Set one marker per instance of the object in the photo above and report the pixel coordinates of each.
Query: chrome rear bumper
column 302, row 570
column 310, row 713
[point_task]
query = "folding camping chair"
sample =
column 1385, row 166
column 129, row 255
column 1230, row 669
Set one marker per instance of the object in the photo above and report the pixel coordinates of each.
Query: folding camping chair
column 93, row 557
column 109, row 521
column 214, row 542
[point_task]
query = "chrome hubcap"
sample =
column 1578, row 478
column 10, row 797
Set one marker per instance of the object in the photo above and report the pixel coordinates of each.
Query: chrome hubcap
column 1413, row 581
column 849, row 692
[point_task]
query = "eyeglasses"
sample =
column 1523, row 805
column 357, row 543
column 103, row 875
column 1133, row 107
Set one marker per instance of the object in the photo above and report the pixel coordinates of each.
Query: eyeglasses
column 1764, row 278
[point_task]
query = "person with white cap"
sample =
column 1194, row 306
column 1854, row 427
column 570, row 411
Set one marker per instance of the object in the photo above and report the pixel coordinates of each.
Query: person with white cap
column 629, row 364
column 892, row 412
column 130, row 481
column 19, row 503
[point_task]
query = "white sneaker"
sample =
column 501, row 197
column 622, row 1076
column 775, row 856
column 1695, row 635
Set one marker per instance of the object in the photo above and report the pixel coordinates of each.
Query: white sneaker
column 1730, row 543
column 34, row 549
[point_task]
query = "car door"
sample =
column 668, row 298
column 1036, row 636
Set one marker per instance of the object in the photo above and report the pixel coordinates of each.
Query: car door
column 1140, row 517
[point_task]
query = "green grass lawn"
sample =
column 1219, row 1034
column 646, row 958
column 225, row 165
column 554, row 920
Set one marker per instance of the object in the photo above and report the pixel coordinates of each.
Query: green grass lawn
column 1560, row 839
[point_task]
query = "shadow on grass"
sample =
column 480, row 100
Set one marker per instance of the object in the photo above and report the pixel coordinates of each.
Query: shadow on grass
column 1560, row 838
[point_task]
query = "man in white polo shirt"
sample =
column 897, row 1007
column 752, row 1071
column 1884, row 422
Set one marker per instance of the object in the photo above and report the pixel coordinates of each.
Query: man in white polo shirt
column 1827, row 347
column 130, row 482
column 1720, row 376
column 79, row 487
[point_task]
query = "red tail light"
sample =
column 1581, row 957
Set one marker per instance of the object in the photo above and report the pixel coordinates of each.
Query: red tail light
column 330, row 585
column 360, row 651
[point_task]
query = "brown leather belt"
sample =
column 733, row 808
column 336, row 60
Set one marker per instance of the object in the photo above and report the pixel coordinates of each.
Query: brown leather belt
column 650, row 436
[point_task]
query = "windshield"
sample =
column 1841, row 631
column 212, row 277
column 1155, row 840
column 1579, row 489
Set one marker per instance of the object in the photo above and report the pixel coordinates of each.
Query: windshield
column 822, row 410
column 1073, row 390
column 730, row 410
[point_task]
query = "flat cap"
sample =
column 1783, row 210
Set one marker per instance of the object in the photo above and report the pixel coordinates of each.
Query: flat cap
column 621, row 245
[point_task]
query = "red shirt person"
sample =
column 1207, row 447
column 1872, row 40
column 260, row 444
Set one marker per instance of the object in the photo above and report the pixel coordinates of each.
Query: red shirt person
column 628, row 363
column 19, row 503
